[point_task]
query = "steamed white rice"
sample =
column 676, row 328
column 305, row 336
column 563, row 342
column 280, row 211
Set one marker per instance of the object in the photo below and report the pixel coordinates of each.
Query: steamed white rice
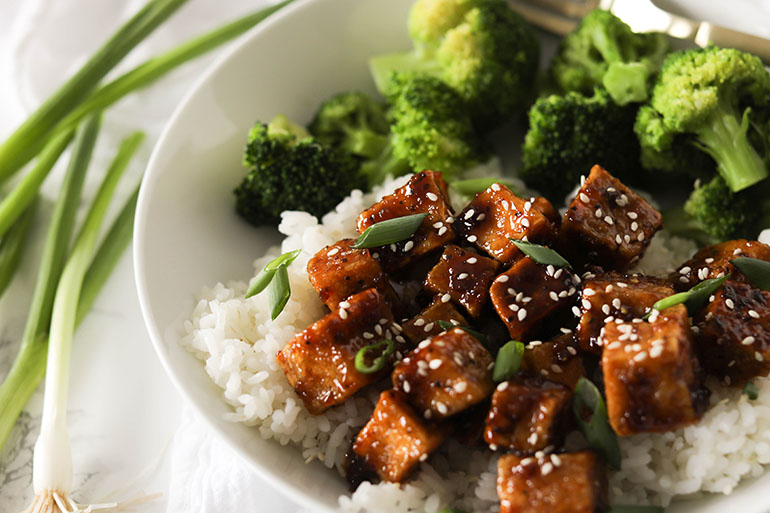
column 237, row 341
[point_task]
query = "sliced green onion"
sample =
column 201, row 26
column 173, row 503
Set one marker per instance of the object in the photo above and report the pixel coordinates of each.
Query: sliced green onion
column 508, row 361
column 635, row 509
column 597, row 430
column 263, row 278
column 279, row 292
column 476, row 185
column 24, row 143
column 541, row 254
column 389, row 231
column 445, row 325
column 751, row 390
column 379, row 362
column 13, row 244
column 757, row 271
column 693, row 299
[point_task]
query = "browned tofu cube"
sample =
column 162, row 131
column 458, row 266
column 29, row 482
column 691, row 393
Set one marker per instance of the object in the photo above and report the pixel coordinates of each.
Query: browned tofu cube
column 548, row 210
column 396, row 439
column 607, row 224
column 557, row 360
column 528, row 292
column 611, row 296
column 496, row 216
column 650, row 374
column 528, row 414
column 425, row 193
column 339, row 271
column 733, row 333
column 445, row 374
column 320, row 361
column 425, row 324
column 462, row 276
column 573, row 482
column 714, row 262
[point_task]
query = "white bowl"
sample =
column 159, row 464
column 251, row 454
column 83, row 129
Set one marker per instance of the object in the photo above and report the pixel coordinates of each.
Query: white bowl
column 187, row 235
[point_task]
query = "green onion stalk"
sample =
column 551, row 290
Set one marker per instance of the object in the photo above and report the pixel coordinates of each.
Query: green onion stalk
column 52, row 464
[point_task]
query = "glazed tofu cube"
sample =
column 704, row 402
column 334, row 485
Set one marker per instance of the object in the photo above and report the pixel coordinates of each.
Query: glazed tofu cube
column 573, row 482
column 548, row 210
column 445, row 374
column 557, row 360
column 529, row 292
column 396, row 439
column 607, row 224
column 338, row 271
column 462, row 276
column 714, row 261
column 528, row 414
column 611, row 296
column 733, row 333
column 650, row 374
column 496, row 216
column 425, row 193
column 425, row 324
column 320, row 361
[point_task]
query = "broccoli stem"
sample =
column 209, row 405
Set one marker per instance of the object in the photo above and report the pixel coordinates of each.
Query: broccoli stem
column 365, row 143
column 724, row 136
column 386, row 164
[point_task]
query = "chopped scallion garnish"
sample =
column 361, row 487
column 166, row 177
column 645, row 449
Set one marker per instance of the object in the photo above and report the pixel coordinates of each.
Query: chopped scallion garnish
column 389, row 231
column 476, row 185
column 541, row 254
column 445, row 325
column 693, row 299
column 587, row 403
column 751, row 390
column 757, row 271
column 277, row 277
column 379, row 362
column 508, row 361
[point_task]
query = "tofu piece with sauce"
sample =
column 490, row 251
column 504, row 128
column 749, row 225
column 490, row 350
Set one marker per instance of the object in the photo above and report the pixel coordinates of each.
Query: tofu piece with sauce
column 528, row 414
column 338, row 271
column 425, row 193
column 529, row 292
column 445, row 374
column 320, row 361
column 573, row 482
column 714, row 262
column 396, row 438
column 650, row 374
column 607, row 224
column 733, row 333
column 425, row 324
column 462, row 276
column 556, row 360
column 610, row 296
column 497, row 215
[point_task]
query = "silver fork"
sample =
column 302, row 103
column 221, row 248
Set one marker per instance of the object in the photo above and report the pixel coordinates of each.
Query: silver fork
column 562, row 16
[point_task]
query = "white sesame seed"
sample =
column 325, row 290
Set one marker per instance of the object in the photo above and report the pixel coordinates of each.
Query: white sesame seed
column 446, row 298
column 460, row 387
column 462, row 276
column 632, row 215
column 513, row 306
column 606, row 309
column 406, row 386
column 408, row 246
column 547, row 468
column 438, row 225
column 493, row 447
column 553, row 295
column 589, row 292
column 563, row 293
column 555, row 368
column 378, row 329
column 684, row 270
column 571, row 350
column 729, row 303
column 522, row 314
column 393, row 247
column 442, row 231
column 558, row 273
column 343, row 314
column 634, row 226
column 384, row 321
column 550, row 270
column 748, row 341
column 495, row 187
column 505, row 204
column 737, row 251
column 375, row 255
column 333, row 252
column 454, row 322
column 428, row 327
column 614, row 345
column 584, row 197
column 754, row 314
column 608, row 220
column 616, row 303
column 627, row 238
column 732, row 362
column 621, row 284
column 424, row 456
column 586, row 304
column 442, row 409
column 481, row 217
column 368, row 336
column 427, row 414
column 400, row 339
column 598, row 213
column 471, row 260
column 419, row 322
column 565, row 330
column 611, row 189
column 656, row 351
column 469, row 214
column 640, row 237
column 450, row 220
column 432, row 196
column 502, row 386
column 683, row 279
column 758, row 356
column 618, row 239
column 525, row 222
column 576, row 311
column 502, row 278
column 519, row 296
column 641, row 356
column 709, row 260
column 527, row 461
column 533, row 440
column 582, row 180
column 472, row 238
column 435, row 363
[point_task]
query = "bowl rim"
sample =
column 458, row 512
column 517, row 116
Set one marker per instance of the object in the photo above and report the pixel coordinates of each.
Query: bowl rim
column 141, row 219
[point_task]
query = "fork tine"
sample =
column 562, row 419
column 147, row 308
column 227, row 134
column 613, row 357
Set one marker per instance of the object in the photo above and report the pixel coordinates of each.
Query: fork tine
column 546, row 20
column 570, row 8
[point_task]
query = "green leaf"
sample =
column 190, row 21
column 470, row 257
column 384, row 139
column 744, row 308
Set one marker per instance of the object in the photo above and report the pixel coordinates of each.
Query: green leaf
column 279, row 292
column 541, row 254
column 445, row 325
column 508, row 361
column 390, row 231
column 263, row 278
column 635, row 509
column 751, row 390
column 475, row 185
column 285, row 259
column 693, row 299
column 757, row 271
column 597, row 429
column 379, row 362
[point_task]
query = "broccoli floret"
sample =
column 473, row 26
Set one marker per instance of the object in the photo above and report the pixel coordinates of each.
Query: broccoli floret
column 569, row 134
column 706, row 98
column 482, row 48
column 354, row 122
column 604, row 51
column 289, row 170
